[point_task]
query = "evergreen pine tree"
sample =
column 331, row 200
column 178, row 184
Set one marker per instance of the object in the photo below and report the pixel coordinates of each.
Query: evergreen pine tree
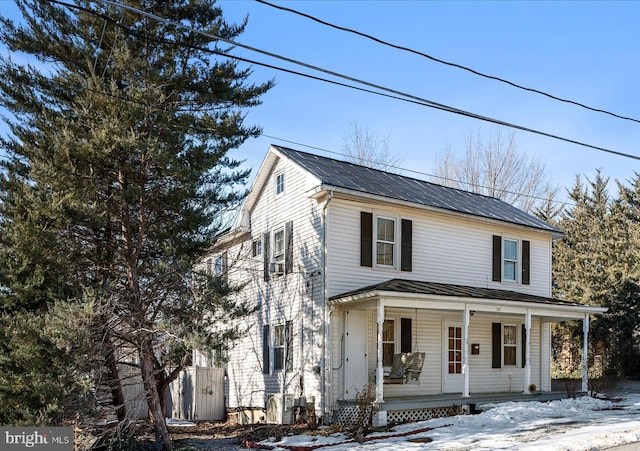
column 117, row 172
column 596, row 263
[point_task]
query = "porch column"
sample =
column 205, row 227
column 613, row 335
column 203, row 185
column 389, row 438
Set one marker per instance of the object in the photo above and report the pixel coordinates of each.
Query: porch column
column 379, row 369
column 585, row 353
column 527, row 351
column 465, row 352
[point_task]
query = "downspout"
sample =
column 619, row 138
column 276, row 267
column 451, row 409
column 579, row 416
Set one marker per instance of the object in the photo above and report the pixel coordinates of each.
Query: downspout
column 585, row 352
column 326, row 329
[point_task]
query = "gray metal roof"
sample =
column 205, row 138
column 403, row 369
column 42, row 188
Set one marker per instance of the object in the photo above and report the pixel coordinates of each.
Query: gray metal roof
column 350, row 176
column 444, row 289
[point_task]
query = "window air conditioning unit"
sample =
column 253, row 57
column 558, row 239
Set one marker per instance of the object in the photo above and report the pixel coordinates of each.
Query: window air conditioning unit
column 276, row 268
column 280, row 409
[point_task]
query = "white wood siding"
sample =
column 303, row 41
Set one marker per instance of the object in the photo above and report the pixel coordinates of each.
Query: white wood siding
column 446, row 249
column 295, row 297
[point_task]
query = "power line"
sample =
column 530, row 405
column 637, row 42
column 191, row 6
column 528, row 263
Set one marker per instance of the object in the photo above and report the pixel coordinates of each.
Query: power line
column 448, row 63
column 422, row 173
column 398, row 95
column 165, row 41
column 406, row 96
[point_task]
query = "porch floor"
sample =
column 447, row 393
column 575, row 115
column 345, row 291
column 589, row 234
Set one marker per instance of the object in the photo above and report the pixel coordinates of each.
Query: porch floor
column 475, row 401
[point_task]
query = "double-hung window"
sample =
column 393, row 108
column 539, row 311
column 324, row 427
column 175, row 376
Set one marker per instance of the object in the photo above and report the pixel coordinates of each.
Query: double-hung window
column 388, row 341
column 385, row 242
column 220, row 265
column 509, row 344
column 277, row 355
column 277, row 250
column 256, row 248
column 510, row 260
column 278, row 247
column 278, row 347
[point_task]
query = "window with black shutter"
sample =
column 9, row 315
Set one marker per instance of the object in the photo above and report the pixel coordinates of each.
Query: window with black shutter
column 381, row 240
column 504, row 345
column 507, row 258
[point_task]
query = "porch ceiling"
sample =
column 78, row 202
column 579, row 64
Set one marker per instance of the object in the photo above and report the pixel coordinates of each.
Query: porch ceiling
column 439, row 296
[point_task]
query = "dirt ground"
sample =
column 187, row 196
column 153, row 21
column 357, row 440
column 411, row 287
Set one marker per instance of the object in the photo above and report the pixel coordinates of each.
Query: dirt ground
column 226, row 437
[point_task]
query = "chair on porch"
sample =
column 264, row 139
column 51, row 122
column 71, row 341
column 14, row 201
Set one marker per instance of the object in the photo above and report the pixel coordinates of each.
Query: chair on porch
column 405, row 366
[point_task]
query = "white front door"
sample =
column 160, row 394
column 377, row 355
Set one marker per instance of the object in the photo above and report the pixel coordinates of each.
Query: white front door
column 355, row 350
column 452, row 340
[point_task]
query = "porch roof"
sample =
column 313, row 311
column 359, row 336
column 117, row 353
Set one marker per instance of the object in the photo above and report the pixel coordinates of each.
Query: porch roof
column 457, row 296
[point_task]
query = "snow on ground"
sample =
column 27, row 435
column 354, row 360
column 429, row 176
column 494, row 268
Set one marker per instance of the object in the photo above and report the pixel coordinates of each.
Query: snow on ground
column 569, row 425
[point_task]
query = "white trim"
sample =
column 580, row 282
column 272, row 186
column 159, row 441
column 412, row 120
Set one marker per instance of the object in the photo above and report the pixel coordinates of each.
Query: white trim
column 439, row 302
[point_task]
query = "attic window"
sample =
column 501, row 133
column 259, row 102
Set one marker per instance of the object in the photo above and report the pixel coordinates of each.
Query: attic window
column 279, row 183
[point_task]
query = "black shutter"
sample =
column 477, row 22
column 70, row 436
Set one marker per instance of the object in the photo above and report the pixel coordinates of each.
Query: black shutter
column 266, row 363
column 496, row 345
column 288, row 253
column 406, row 245
column 366, row 239
column 265, row 254
column 524, row 346
column 497, row 259
column 288, row 339
column 526, row 245
column 405, row 334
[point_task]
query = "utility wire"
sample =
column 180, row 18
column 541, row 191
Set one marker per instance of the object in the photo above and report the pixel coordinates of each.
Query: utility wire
column 448, row 63
column 422, row 173
column 165, row 41
column 399, row 95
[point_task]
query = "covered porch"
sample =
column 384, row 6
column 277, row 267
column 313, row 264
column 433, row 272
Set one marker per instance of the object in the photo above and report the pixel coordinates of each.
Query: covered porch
column 480, row 345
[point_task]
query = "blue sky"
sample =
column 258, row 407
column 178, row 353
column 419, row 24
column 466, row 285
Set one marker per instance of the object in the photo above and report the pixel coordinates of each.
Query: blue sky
column 583, row 51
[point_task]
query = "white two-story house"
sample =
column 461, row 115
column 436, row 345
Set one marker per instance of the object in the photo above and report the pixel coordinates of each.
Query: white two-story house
column 359, row 273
